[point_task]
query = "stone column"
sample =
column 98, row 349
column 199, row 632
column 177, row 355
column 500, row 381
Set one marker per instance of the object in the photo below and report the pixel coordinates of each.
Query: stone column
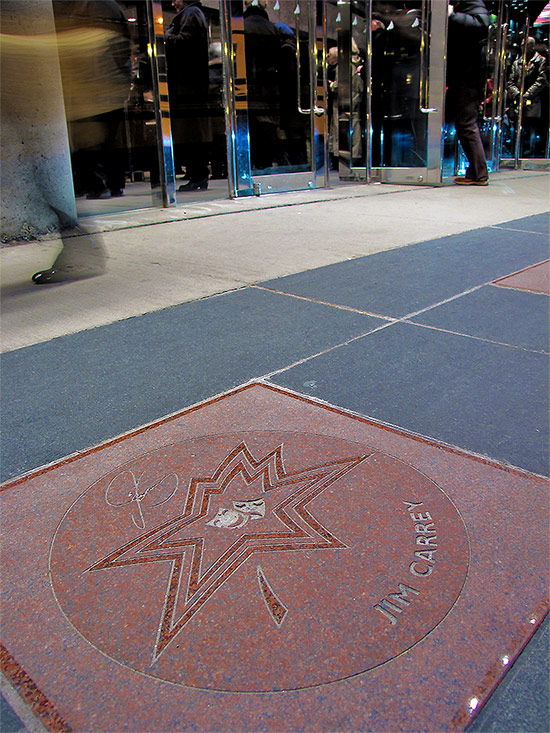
column 36, row 166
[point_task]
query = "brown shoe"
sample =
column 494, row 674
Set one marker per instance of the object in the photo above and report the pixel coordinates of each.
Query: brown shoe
column 464, row 181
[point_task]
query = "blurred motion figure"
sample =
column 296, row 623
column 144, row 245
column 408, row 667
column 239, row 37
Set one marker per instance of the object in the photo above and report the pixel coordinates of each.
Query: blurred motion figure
column 96, row 75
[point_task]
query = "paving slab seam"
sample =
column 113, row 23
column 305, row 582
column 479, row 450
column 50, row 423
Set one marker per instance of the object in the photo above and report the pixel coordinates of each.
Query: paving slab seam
column 477, row 338
column 480, row 457
column 394, row 321
column 305, row 359
column 325, row 302
column 392, row 318
column 520, row 231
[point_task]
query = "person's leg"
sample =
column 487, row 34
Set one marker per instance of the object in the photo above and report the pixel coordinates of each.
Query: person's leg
column 467, row 130
column 82, row 254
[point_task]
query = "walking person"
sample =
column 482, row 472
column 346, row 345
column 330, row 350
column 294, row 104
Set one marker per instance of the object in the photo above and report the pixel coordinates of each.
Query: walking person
column 467, row 35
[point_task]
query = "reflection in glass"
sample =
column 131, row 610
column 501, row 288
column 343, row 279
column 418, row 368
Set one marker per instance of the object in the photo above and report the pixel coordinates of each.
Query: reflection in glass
column 187, row 58
column 107, row 87
column 399, row 127
column 527, row 100
column 277, row 71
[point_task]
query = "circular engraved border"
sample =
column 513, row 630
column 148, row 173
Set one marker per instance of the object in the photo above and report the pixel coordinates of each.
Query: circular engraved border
column 316, row 493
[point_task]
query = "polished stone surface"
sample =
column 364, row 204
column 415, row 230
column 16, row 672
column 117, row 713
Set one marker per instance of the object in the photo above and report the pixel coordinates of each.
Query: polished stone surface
column 536, row 279
column 263, row 558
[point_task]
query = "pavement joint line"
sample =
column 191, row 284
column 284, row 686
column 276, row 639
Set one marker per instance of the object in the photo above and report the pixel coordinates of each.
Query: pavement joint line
column 328, row 350
column 403, row 319
column 325, row 302
column 483, row 457
column 521, row 231
column 478, row 338
column 393, row 321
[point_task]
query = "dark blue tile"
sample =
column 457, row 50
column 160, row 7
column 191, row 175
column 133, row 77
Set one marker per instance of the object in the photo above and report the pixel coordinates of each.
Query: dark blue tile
column 538, row 223
column 81, row 389
column 522, row 700
column 402, row 281
column 500, row 314
column 9, row 721
column 482, row 397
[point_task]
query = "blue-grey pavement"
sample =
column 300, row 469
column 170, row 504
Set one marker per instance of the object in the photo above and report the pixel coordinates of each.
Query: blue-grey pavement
column 521, row 703
column 435, row 349
column 483, row 397
column 75, row 391
column 506, row 316
column 405, row 280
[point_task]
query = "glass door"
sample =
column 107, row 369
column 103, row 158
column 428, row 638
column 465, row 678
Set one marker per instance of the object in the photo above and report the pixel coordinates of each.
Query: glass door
column 275, row 95
column 526, row 106
column 390, row 89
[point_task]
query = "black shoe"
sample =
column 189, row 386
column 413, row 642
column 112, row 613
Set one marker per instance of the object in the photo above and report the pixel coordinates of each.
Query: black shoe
column 48, row 277
column 194, row 186
column 117, row 193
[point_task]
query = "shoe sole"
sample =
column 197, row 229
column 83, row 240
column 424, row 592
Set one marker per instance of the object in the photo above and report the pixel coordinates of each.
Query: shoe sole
column 472, row 183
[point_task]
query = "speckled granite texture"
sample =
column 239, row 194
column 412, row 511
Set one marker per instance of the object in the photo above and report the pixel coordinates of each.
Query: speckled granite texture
column 263, row 562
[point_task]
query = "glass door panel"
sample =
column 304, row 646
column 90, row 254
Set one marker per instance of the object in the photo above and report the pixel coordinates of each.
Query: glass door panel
column 110, row 84
column 526, row 107
column 275, row 95
column 390, row 89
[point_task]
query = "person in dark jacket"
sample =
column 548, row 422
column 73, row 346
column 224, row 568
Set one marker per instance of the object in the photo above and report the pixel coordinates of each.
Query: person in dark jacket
column 186, row 41
column 530, row 71
column 468, row 26
column 263, row 64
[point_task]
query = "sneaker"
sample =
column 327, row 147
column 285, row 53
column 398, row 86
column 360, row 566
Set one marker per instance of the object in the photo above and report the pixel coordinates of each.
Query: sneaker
column 465, row 181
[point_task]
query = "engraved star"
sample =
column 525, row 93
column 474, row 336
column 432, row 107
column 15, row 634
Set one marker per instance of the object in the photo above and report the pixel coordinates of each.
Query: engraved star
column 205, row 554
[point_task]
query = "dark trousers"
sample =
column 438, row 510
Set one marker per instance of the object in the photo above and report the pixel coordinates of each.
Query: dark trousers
column 463, row 106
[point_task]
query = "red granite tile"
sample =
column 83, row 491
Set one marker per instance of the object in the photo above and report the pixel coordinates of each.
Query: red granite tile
column 536, row 279
column 264, row 562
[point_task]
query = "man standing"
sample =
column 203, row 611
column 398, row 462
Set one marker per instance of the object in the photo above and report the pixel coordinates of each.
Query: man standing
column 187, row 66
column 468, row 24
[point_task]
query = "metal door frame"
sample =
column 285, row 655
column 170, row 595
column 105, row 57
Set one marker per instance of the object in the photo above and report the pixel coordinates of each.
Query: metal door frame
column 165, row 196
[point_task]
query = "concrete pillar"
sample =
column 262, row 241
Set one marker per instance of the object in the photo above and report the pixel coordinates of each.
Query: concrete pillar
column 36, row 167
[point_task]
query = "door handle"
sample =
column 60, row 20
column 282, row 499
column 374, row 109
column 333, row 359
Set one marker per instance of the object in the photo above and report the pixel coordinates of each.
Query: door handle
column 424, row 77
column 313, row 75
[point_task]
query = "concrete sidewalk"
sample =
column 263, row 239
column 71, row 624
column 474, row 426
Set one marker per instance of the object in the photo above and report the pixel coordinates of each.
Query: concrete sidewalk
column 159, row 258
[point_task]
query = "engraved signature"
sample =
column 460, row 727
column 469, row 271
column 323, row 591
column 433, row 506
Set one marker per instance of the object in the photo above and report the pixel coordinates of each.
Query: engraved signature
column 127, row 489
